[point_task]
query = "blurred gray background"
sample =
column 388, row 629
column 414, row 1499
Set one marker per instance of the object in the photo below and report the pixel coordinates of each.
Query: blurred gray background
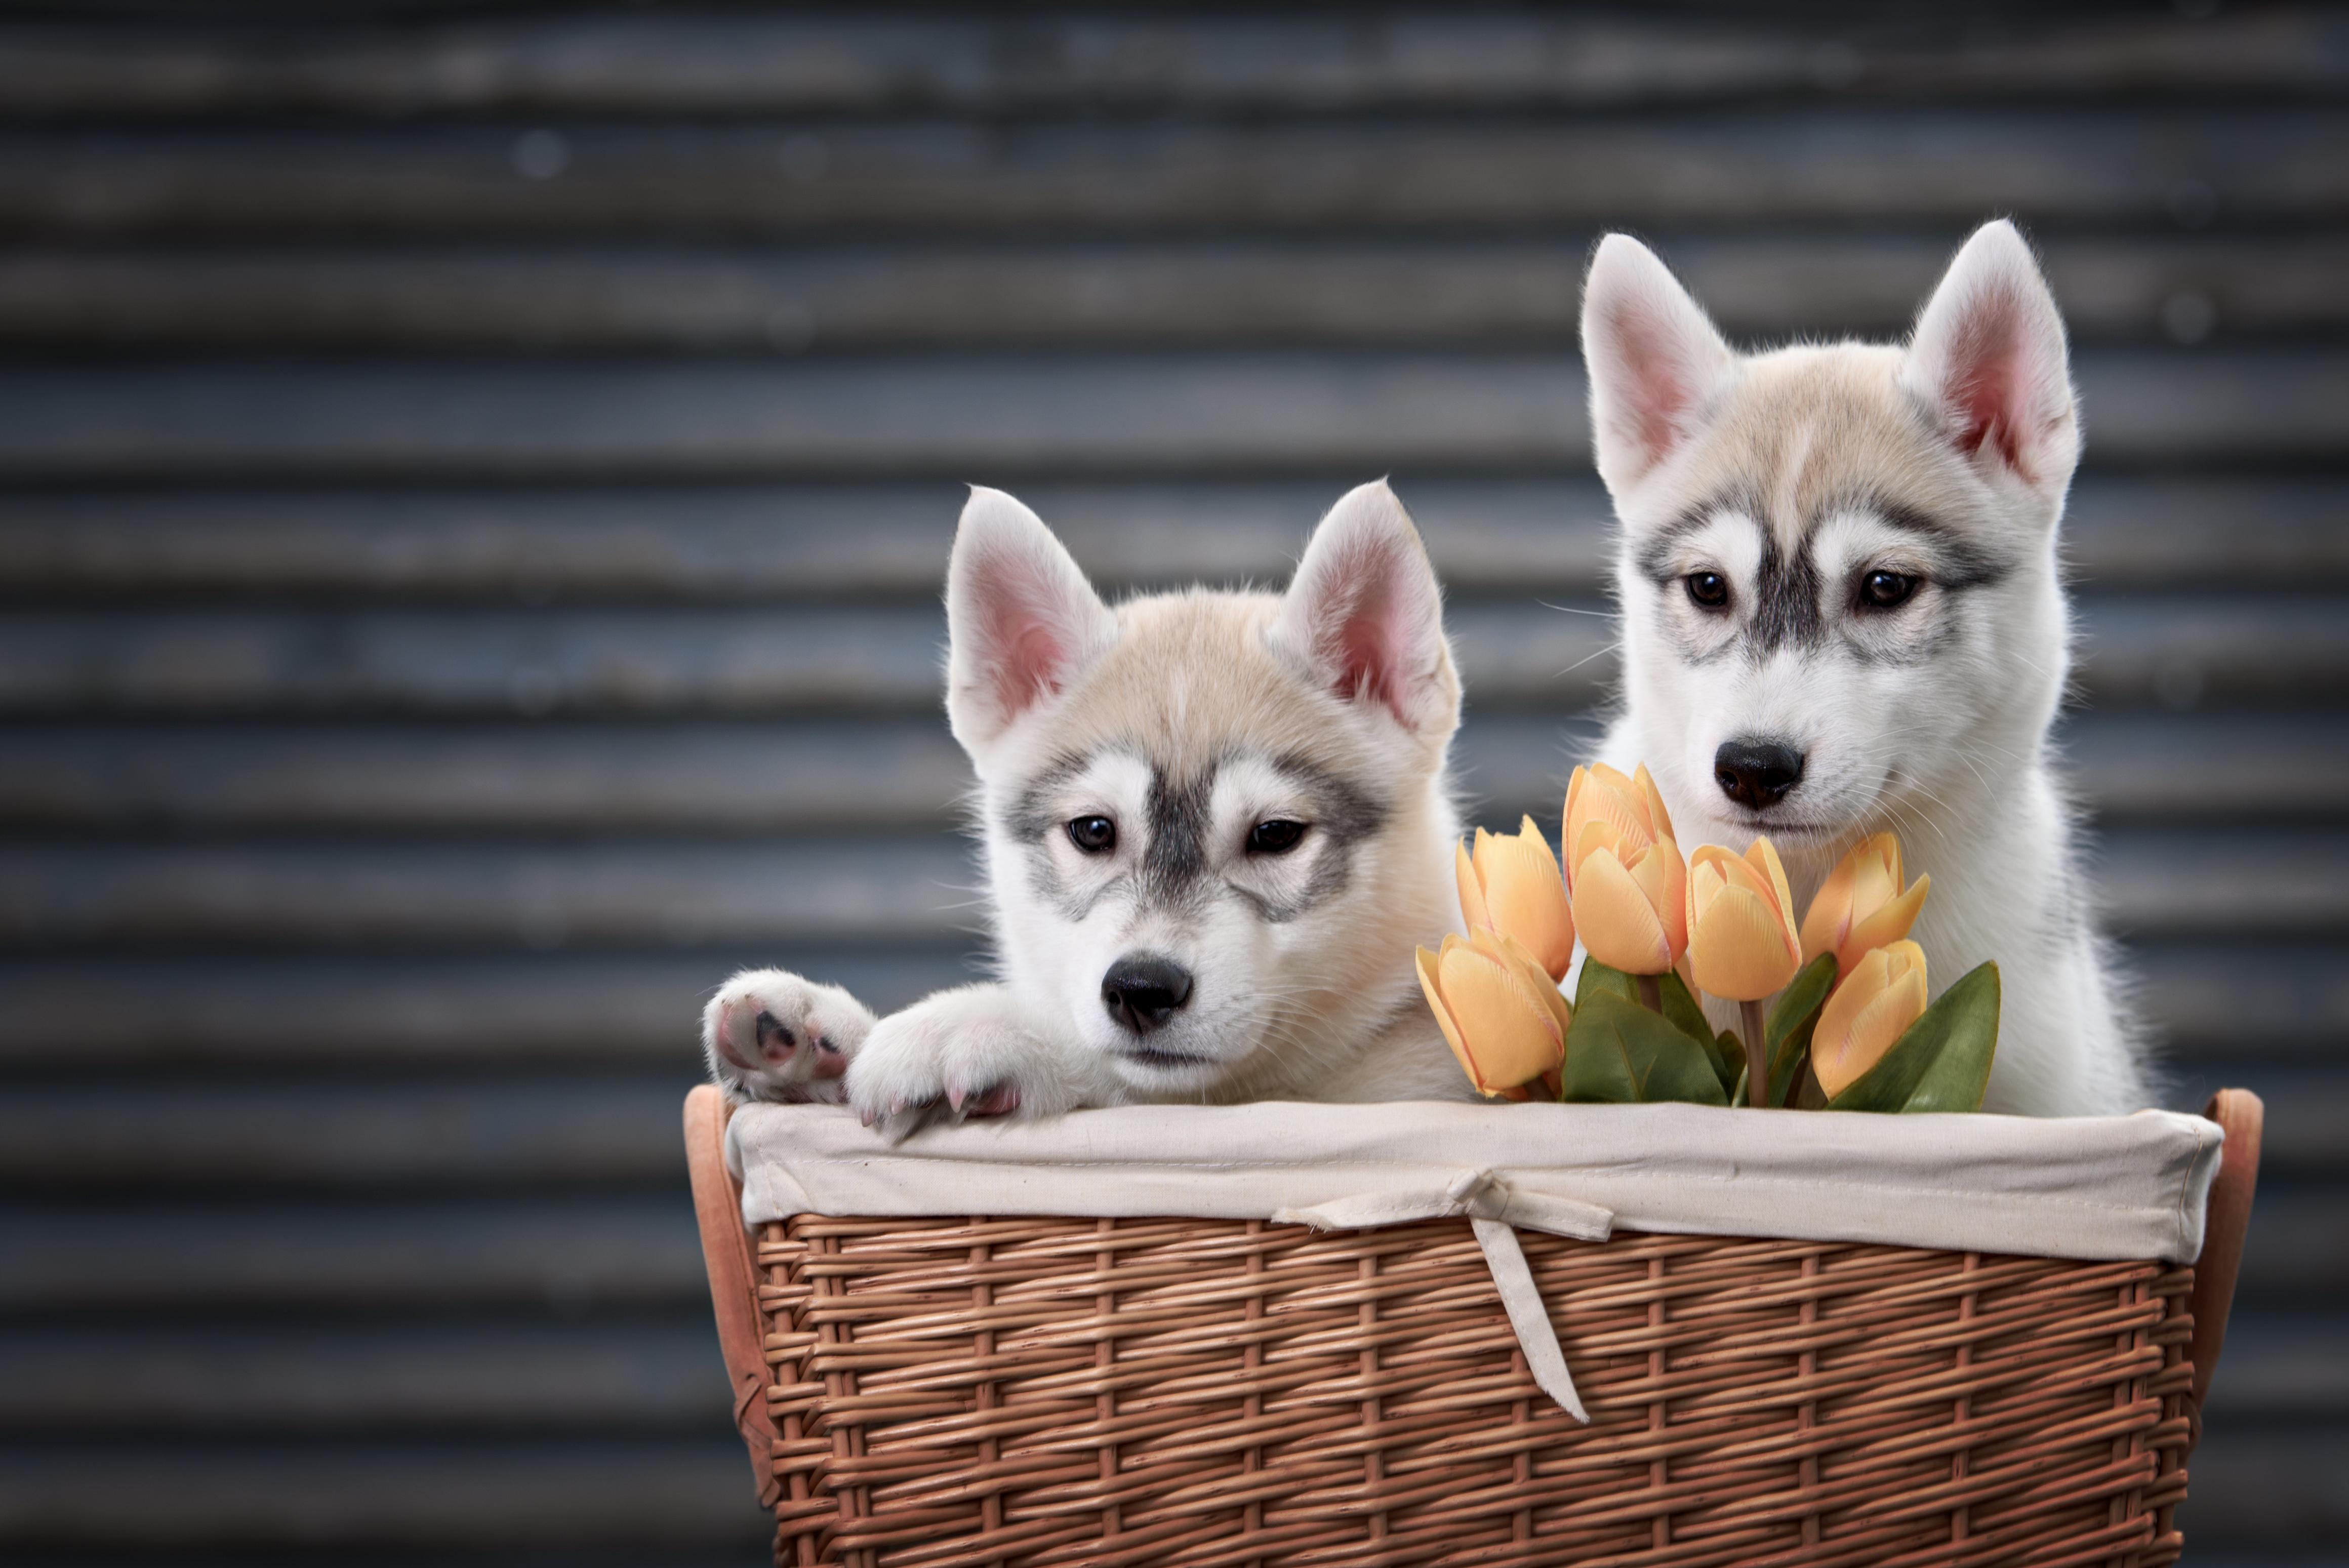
column 473, row 489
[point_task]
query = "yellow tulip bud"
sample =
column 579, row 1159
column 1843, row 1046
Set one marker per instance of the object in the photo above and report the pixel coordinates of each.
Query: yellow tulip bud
column 1860, row 906
column 1631, row 807
column 1884, row 994
column 1632, row 911
column 1512, row 883
column 1742, row 943
column 1501, row 1015
column 1626, row 874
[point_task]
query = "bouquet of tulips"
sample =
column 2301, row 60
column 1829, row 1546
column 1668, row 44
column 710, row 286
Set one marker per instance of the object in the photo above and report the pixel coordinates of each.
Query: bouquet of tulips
column 1851, row 1029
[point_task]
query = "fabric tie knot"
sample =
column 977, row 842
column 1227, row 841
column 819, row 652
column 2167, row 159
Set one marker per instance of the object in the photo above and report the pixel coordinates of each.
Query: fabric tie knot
column 1493, row 1211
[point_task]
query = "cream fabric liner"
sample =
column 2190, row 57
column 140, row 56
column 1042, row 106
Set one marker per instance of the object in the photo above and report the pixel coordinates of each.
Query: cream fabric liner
column 2091, row 1189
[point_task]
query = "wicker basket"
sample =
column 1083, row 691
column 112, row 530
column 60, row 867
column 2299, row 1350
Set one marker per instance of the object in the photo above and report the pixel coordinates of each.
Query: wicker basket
column 966, row 1390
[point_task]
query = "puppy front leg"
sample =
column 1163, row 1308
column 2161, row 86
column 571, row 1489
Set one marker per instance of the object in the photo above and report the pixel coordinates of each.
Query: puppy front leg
column 973, row 1051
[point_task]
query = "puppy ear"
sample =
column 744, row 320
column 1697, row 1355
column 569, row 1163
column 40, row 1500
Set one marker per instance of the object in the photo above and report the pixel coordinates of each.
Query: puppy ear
column 1021, row 620
column 1365, row 615
column 1655, row 360
column 1988, row 357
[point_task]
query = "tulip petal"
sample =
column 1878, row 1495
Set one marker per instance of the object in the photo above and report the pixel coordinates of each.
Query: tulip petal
column 1860, row 905
column 1434, row 993
column 1663, row 876
column 1593, row 836
column 1763, row 856
column 1876, row 872
column 1620, row 927
column 1888, row 924
column 1472, row 890
column 1880, row 1023
column 1524, row 896
column 1712, row 871
column 1731, row 870
column 1740, row 947
column 1868, row 1014
column 1508, row 1034
column 1600, row 794
column 1539, row 983
column 1659, row 821
column 1830, row 914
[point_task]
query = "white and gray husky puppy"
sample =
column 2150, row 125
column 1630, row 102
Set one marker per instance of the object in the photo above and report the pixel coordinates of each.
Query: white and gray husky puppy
column 1216, row 826
column 1842, row 611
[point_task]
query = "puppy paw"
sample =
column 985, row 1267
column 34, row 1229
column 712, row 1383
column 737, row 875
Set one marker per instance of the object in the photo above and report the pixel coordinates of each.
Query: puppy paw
column 770, row 1036
column 970, row 1052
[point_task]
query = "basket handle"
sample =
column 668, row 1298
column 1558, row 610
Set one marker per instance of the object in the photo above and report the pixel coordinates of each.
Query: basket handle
column 2240, row 1114
column 733, row 1279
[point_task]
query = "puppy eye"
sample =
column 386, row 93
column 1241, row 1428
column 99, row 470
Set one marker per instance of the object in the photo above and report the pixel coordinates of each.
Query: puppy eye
column 1709, row 590
column 1275, row 837
column 1094, row 835
column 1886, row 590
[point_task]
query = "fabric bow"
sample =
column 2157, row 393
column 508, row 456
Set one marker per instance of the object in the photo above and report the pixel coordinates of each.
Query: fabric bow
column 1493, row 1211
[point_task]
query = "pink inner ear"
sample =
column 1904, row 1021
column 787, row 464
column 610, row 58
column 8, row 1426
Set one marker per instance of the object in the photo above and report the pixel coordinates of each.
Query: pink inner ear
column 1367, row 644
column 1987, row 383
column 1366, row 664
column 1028, row 666
column 1658, row 393
column 1021, row 641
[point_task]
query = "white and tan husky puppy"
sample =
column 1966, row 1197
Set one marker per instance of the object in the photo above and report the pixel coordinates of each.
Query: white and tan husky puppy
column 1842, row 611
column 1216, row 826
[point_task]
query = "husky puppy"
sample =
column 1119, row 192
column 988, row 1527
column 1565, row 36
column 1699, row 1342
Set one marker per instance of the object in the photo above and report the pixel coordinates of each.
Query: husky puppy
column 1842, row 611
column 1216, row 826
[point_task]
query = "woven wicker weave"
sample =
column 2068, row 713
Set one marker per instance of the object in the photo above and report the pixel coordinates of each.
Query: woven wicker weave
column 973, row 1391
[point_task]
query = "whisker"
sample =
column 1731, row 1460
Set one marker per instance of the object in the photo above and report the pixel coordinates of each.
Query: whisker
column 1611, row 648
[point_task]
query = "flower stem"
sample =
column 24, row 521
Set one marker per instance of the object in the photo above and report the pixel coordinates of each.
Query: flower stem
column 1758, row 1055
column 1651, row 992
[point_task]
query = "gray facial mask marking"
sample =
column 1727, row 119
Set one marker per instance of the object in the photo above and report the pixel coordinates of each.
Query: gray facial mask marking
column 1785, row 598
column 1784, row 608
column 1174, row 872
column 1174, row 862
column 1343, row 817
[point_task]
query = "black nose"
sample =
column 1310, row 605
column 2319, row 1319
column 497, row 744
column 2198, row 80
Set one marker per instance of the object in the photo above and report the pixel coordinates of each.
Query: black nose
column 1142, row 992
column 1757, row 772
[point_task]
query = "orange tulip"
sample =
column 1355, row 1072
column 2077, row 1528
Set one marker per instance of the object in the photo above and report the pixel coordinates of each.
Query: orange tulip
column 1874, row 1007
column 1860, row 906
column 1741, row 923
column 1500, row 1012
column 1512, row 883
column 1627, row 879
column 1599, row 793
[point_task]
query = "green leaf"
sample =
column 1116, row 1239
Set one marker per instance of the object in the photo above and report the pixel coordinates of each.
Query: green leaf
column 1684, row 1012
column 1959, row 1074
column 1618, row 1051
column 1941, row 1061
column 1596, row 1070
column 1728, row 1055
column 1596, row 977
column 1788, row 1032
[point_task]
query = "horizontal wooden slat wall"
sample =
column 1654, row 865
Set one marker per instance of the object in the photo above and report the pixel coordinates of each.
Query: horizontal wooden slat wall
column 474, row 487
